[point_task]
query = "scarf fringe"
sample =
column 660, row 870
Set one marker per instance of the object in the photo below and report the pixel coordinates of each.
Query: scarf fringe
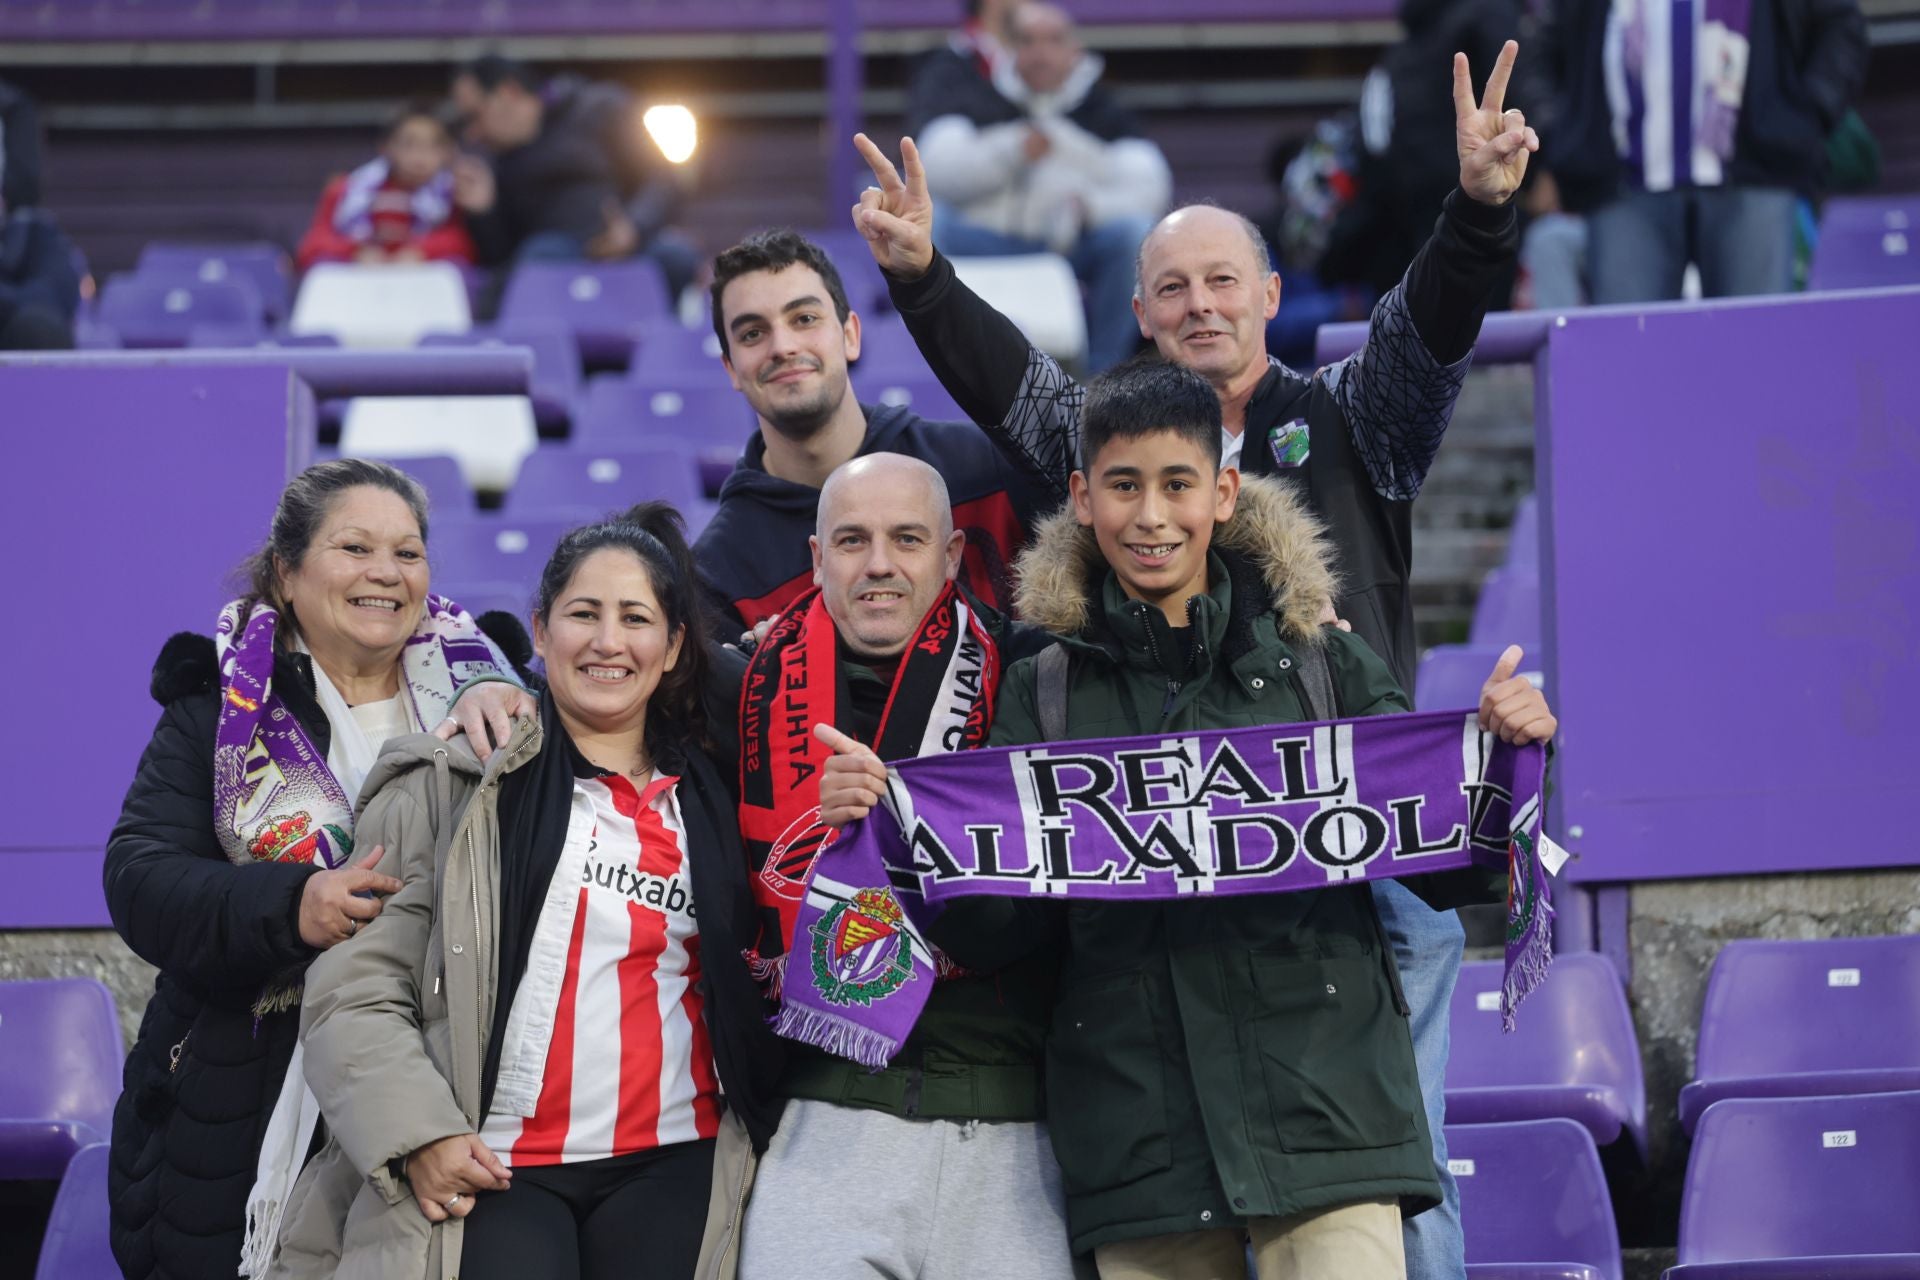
column 262, row 1239
column 839, row 1036
column 1527, row 968
column 282, row 997
column 771, row 974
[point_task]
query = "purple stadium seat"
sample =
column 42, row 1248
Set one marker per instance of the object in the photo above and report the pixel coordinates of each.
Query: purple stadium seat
column 497, row 549
column 922, row 394
column 607, row 306
column 484, row 597
column 448, row 497
column 859, row 273
column 1534, row 1202
column 614, row 413
column 674, row 357
column 556, row 365
column 75, row 1246
column 1451, row 675
column 1508, row 611
column 563, row 480
column 1781, row 1188
column 60, row 1062
column 1523, row 543
column 265, row 265
column 1853, row 1005
column 1868, row 243
column 147, row 313
column 1572, row 1055
column 887, row 350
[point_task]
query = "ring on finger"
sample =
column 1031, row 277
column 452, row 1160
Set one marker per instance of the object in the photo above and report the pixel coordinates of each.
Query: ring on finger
column 353, row 927
column 451, row 1201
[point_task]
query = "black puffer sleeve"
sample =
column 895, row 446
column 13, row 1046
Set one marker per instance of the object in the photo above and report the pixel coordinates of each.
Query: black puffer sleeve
column 172, row 893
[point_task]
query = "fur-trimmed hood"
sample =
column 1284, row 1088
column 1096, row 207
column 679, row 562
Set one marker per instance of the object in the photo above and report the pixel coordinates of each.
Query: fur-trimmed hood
column 1058, row 576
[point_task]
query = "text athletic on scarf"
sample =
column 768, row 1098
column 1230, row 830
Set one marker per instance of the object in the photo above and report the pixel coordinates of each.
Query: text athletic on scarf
column 1270, row 809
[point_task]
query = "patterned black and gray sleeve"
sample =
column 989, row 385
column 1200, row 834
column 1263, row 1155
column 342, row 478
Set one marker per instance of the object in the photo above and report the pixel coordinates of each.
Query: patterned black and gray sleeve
column 1021, row 396
column 1398, row 391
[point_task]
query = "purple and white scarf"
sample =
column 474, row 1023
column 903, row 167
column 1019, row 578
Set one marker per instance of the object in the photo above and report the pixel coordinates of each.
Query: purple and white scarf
column 1272, row 809
column 1676, row 75
column 274, row 797
column 431, row 204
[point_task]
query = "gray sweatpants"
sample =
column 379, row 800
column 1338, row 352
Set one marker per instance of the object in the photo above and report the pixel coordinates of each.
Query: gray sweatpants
column 846, row 1194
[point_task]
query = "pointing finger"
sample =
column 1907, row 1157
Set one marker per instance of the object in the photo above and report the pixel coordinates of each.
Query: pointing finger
column 916, row 172
column 1462, row 88
column 883, row 169
column 1497, row 82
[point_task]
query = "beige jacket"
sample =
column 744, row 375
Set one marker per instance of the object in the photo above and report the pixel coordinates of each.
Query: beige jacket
column 395, row 1021
column 395, row 1026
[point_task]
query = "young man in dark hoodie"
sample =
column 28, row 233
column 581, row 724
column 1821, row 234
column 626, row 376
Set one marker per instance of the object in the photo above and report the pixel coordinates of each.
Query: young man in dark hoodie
column 787, row 336
column 1218, row 1069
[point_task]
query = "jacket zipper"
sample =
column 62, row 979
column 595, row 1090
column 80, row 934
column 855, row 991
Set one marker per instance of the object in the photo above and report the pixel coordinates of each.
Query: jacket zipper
column 473, row 886
column 174, row 1054
column 1153, row 650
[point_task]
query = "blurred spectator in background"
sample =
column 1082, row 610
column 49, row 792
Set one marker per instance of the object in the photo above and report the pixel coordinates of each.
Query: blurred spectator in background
column 1406, row 164
column 1316, row 184
column 573, row 173
column 39, row 282
column 976, row 48
column 1689, row 131
column 19, row 148
column 1040, row 158
column 397, row 207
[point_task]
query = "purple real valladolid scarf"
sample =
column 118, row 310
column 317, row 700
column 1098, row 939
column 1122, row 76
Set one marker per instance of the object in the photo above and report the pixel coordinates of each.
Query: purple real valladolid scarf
column 274, row 797
column 1272, row 809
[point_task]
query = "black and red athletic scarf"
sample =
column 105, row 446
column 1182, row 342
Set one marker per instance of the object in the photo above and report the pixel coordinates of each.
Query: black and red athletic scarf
column 941, row 700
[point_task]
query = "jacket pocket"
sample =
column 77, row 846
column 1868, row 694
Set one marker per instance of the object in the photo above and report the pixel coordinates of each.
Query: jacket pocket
column 1333, row 1053
column 1106, row 1091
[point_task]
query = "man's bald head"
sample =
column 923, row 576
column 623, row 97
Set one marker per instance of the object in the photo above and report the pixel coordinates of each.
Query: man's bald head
column 884, row 547
column 857, row 481
column 1201, row 222
column 1204, row 292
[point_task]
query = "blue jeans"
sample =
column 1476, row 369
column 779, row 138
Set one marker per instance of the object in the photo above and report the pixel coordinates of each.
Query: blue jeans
column 1102, row 259
column 1741, row 238
column 1427, row 946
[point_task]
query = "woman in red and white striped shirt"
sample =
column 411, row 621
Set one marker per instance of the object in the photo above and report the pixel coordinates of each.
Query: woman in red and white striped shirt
column 595, row 909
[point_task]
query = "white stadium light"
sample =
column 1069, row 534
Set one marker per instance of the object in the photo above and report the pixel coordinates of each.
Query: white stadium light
column 673, row 130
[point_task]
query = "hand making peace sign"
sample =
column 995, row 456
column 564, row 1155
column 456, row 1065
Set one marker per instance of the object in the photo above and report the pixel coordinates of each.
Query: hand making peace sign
column 896, row 217
column 1494, row 143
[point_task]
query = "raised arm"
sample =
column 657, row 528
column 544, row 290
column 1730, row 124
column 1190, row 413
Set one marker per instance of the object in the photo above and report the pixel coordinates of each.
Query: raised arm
column 1020, row 395
column 1398, row 391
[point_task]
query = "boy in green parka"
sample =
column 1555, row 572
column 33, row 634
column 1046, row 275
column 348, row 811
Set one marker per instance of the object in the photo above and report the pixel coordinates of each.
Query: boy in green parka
column 1218, row 1069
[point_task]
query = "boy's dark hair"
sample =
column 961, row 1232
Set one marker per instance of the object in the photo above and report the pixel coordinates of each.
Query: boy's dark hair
column 417, row 109
column 774, row 250
column 492, row 70
column 1148, row 395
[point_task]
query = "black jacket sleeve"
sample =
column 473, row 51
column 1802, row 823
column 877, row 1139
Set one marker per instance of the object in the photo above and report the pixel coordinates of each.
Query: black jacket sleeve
column 172, row 893
column 1026, row 402
column 1830, row 39
column 1450, row 283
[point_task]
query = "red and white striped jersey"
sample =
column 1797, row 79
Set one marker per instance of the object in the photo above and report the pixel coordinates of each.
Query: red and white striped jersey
column 628, row 1062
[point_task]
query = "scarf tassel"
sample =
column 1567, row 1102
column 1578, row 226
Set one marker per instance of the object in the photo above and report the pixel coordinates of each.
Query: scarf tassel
column 263, row 1237
column 839, row 1036
column 1528, row 967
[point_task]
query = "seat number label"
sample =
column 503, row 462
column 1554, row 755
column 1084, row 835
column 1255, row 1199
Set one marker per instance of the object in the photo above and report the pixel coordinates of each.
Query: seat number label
column 1838, row 1138
column 1460, row 1168
column 1843, row 977
column 1487, row 1002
